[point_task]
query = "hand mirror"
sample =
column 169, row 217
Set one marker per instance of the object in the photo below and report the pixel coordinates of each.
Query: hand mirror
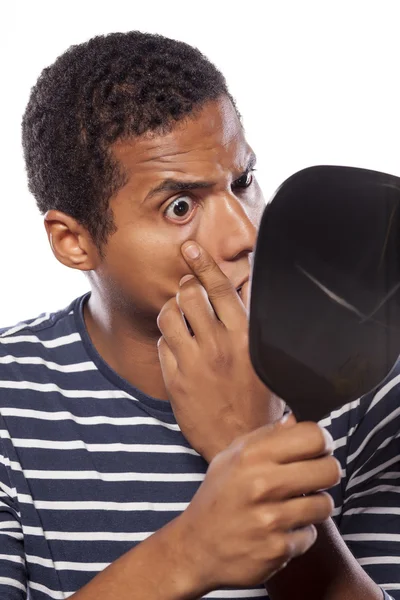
column 325, row 292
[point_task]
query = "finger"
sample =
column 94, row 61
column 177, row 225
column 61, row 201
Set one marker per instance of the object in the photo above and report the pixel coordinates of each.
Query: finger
column 307, row 477
column 193, row 301
column 174, row 330
column 167, row 360
column 300, row 540
column 291, row 544
column 222, row 294
column 298, row 512
column 290, row 442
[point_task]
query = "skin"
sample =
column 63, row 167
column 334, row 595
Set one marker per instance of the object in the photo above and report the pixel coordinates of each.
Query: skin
column 253, row 484
column 143, row 263
column 134, row 318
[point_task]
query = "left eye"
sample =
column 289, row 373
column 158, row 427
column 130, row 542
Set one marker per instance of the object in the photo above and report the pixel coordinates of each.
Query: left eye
column 180, row 207
column 244, row 181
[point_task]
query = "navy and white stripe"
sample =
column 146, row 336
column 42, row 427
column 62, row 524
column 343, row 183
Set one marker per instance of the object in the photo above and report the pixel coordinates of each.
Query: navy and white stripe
column 90, row 466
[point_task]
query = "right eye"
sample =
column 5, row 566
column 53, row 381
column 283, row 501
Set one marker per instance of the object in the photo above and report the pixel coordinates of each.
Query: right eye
column 180, row 208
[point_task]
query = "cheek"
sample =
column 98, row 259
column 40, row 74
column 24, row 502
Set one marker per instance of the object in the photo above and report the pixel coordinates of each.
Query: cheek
column 148, row 262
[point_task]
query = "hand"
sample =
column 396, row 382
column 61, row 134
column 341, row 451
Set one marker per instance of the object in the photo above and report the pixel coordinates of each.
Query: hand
column 213, row 388
column 246, row 520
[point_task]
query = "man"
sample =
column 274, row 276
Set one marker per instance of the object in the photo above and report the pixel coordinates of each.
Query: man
column 112, row 431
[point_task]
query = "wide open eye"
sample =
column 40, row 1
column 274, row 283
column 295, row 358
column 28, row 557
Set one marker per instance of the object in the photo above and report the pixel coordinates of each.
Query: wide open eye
column 180, row 208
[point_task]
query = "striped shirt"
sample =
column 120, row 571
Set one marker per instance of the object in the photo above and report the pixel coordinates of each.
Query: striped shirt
column 90, row 466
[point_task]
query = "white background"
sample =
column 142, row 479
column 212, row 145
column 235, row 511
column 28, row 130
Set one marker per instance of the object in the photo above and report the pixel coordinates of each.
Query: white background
column 316, row 82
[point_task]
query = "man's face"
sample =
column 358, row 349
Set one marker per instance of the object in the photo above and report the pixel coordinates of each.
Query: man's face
column 193, row 183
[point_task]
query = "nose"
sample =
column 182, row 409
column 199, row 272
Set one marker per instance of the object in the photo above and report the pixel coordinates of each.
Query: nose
column 231, row 230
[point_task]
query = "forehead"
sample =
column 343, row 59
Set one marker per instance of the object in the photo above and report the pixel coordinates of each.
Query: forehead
column 205, row 144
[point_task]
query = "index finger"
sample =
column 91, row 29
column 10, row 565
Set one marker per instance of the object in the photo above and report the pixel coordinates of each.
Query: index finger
column 222, row 294
column 293, row 442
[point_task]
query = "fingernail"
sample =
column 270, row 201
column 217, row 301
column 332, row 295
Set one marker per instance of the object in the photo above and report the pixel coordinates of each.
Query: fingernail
column 192, row 251
column 288, row 419
column 185, row 278
column 328, row 440
column 285, row 417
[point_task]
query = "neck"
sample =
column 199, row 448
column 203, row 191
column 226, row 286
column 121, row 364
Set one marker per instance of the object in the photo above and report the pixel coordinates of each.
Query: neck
column 130, row 350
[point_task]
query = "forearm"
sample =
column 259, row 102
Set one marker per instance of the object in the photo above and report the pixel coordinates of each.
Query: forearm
column 159, row 568
column 328, row 571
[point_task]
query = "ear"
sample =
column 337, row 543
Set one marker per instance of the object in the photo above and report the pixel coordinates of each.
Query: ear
column 71, row 243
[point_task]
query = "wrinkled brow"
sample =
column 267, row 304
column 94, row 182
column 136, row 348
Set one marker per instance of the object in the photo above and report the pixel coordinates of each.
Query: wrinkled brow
column 176, row 185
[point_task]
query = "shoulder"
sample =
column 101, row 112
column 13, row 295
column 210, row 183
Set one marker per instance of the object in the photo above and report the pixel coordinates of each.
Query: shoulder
column 35, row 351
column 43, row 330
column 366, row 437
column 374, row 415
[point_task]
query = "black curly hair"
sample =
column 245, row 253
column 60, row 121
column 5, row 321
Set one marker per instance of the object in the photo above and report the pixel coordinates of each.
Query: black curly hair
column 107, row 89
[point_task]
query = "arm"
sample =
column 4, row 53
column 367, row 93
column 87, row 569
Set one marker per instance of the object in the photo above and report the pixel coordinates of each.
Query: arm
column 157, row 568
column 258, row 483
column 368, row 509
column 327, row 572
column 252, row 484
column 215, row 397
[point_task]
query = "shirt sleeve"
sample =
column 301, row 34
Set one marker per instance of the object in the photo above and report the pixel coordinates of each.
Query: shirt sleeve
column 13, row 578
column 369, row 519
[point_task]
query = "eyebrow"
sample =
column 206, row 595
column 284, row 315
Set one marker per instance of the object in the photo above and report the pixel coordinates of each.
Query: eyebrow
column 176, row 185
